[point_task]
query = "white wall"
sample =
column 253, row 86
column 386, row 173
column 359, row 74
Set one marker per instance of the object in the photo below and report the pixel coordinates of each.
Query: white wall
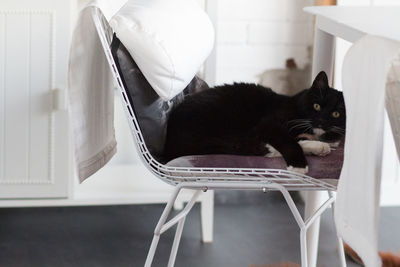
column 341, row 45
column 255, row 35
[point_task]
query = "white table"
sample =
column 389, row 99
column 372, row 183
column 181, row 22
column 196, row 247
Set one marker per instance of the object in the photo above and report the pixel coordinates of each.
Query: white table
column 351, row 24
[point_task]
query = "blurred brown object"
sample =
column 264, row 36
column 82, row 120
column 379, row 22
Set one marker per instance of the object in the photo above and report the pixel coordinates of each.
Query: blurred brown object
column 388, row 259
column 325, row 2
column 352, row 254
column 283, row 264
column 291, row 63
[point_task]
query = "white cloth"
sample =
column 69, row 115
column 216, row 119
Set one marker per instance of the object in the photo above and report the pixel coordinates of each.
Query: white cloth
column 393, row 100
column 168, row 39
column 357, row 206
column 90, row 89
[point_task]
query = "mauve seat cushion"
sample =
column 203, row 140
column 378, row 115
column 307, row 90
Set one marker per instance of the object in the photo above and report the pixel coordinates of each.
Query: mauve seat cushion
column 327, row 167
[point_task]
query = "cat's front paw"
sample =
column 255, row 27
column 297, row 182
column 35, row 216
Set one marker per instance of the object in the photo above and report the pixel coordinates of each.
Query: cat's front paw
column 298, row 169
column 317, row 148
column 324, row 149
column 334, row 144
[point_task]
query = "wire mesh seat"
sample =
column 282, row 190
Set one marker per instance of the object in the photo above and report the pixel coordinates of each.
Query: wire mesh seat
column 202, row 179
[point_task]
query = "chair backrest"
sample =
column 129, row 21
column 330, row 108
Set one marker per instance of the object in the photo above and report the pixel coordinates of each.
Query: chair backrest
column 146, row 111
column 151, row 111
column 105, row 34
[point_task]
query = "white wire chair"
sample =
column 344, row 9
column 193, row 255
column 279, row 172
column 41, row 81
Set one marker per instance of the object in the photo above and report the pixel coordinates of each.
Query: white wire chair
column 203, row 179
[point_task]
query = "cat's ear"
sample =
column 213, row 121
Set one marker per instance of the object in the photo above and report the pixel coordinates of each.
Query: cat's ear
column 321, row 81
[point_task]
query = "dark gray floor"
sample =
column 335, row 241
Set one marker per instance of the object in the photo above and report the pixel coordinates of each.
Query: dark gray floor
column 259, row 230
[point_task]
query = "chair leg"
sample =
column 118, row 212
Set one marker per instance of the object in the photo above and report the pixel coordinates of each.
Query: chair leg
column 152, row 250
column 303, row 247
column 207, row 216
column 342, row 257
column 300, row 222
column 162, row 226
column 175, row 245
column 304, row 225
column 157, row 231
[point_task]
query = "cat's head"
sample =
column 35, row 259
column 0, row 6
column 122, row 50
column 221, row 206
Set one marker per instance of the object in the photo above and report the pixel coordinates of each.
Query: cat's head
column 322, row 110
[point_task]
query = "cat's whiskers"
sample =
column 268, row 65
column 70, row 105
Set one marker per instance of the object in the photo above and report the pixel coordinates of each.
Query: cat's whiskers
column 300, row 125
column 298, row 121
column 295, row 120
column 337, row 130
column 308, row 128
column 341, row 134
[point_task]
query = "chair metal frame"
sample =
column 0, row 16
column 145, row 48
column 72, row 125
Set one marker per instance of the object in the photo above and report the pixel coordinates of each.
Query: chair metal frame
column 203, row 179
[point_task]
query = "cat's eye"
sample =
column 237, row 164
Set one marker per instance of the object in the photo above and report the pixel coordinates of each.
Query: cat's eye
column 335, row 114
column 317, row 107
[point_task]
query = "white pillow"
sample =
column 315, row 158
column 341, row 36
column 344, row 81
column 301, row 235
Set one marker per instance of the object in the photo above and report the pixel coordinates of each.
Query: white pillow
column 168, row 39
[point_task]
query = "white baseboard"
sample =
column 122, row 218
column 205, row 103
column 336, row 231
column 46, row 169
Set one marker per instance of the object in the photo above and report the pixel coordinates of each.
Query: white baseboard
column 112, row 185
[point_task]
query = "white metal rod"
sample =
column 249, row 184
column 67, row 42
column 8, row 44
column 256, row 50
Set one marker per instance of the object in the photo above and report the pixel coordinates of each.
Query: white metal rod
column 292, row 206
column 303, row 247
column 175, row 245
column 319, row 211
column 152, row 251
column 163, row 218
column 182, row 214
column 167, row 210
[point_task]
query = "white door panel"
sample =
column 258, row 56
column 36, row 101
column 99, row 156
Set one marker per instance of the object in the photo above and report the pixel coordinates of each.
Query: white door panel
column 34, row 152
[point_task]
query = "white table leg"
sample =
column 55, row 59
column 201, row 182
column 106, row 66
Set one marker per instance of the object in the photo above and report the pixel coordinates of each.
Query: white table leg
column 323, row 55
column 178, row 205
column 313, row 200
column 207, row 216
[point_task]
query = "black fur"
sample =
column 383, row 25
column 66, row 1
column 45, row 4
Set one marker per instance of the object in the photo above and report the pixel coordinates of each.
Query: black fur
column 242, row 118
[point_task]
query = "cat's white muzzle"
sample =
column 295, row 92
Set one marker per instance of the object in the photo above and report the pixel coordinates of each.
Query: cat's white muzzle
column 318, row 131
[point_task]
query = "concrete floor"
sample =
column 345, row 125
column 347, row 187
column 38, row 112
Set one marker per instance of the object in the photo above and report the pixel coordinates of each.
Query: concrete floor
column 250, row 230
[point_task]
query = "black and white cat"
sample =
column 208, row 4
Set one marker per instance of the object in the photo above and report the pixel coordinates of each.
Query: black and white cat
column 248, row 119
